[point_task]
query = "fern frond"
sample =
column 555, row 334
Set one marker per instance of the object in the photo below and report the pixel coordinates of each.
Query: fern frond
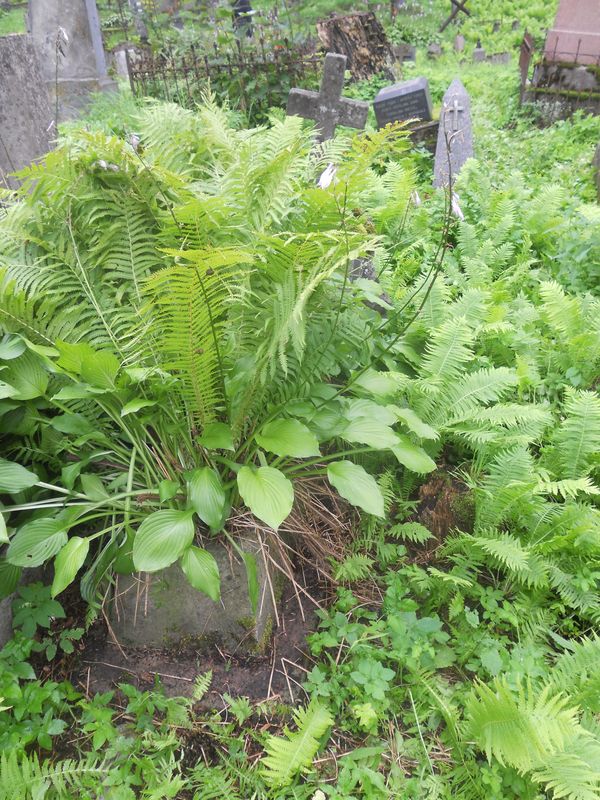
column 289, row 755
column 578, row 438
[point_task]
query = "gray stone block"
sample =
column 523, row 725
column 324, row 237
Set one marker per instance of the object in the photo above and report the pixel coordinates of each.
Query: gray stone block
column 162, row 609
column 455, row 134
column 25, row 114
column 6, row 620
column 402, row 101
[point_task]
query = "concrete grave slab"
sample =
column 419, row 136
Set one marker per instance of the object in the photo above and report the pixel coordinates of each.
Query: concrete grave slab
column 575, row 35
column 162, row 609
column 25, row 113
column 68, row 40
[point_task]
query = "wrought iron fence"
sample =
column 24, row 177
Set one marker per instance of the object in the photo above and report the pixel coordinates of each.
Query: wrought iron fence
column 253, row 80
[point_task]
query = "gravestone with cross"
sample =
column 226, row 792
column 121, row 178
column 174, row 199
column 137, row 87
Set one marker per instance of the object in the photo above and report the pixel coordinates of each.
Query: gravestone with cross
column 455, row 135
column 327, row 107
column 68, row 40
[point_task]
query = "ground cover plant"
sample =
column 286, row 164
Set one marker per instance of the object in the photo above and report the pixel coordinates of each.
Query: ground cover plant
column 178, row 311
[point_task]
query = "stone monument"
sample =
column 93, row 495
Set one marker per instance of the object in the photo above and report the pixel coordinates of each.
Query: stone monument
column 596, row 165
column 402, row 101
column 575, row 35
column 327, row 106
column 455, row 135
column 25, row 114
column 68, row 40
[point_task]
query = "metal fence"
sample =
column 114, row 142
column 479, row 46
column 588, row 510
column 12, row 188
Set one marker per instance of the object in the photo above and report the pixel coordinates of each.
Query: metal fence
column 253, row 80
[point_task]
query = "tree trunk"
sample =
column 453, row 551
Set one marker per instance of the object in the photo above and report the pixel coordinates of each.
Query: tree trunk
column 362, row 39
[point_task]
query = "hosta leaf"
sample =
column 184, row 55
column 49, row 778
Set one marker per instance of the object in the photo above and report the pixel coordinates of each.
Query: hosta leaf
column 3, row 531
column 207, row 496
column 202, row 572
column 414, row 423
column 14, row 477
column 216, row 436
column 367, row 430
column 68, row 563
column 413, row 456
column 36, row 542
column 9, row 578
column 359, row 407
column 356, row 486
column 28, row 376
column 161, row 539
column 136, row 405
column 11, row 347
column 288, row 437
column 100, row 369
column 380, row 384
column 267, row 493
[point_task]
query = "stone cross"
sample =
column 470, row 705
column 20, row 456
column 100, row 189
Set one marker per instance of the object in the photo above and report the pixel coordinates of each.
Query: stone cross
column 327, row 106
column 25, row 113
column 455, row 135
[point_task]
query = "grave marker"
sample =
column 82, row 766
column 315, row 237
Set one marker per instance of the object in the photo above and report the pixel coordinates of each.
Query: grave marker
column 327, row 107
column 402, row 101
column 25, row 113
column 455, row 135
column 575, row 36
column 596, row 165
column 68, row 40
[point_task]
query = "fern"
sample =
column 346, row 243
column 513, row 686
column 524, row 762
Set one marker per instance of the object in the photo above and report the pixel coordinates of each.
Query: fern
column 578, row 438
column 293, row 753
column 25, row 777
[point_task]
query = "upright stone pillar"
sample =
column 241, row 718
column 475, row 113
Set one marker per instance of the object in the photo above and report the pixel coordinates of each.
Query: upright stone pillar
column 25, row 113
column 68, row 40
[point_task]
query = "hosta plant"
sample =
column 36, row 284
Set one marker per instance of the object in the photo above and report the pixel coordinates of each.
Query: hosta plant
column 180, row 326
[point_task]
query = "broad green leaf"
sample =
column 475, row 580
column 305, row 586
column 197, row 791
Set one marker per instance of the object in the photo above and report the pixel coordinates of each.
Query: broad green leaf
column 167, row 490
column 74, row 424
column 161, row 539
column 123, row 563
column 11, row 347
column 252, row 579
column 288, row 437
column 93, row 487
column 100, row 369
column 36, row 542
column 216, row 436
column 370, row 431
column 3, row 532
column 14, row 478
column 267, row 493
column 6, row 390
column 202, row 572
column 413, row 456
column 207, row 496
column 28, row 376
column 356, row 408
column 78, row 391
column 414, row 423
column 68, row 562
column 9, row 578
column 356, row 486
column 136, row 405
column 380, row 384
column 72, row 355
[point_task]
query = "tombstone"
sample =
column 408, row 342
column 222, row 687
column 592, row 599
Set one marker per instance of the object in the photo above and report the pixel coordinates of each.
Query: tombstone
column 596, row 165
column 434, row 50
column 327, row 107
column 139, row 19
column 575, row 36
column 162, row 608
column 404, row 52
column 402, row 101
column 479, row 53
column 68, row 40
column 459, row 43
column 496, row 26
column 6, row 629
column 455, row 135
column 516, row 25
column 25, row 113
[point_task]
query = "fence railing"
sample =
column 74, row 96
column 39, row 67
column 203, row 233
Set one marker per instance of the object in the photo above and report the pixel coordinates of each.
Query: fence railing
column 252, row 79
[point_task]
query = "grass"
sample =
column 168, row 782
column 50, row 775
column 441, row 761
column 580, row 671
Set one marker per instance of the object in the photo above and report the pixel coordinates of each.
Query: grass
column 12, row 21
